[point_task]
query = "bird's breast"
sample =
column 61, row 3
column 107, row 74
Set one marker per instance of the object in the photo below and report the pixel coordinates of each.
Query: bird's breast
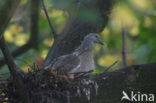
column 87, row 62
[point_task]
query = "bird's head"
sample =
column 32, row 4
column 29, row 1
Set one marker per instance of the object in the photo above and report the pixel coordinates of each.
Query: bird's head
column 88, row 43
column 93, row 37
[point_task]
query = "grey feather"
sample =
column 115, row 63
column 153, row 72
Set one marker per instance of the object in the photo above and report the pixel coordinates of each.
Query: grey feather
column 66, row 63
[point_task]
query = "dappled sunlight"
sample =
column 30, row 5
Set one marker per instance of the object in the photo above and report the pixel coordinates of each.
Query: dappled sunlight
column 97, row 49
column 122, row 15
column 48, row 42
column 21, row 39
column 108, row 59
column 15, row 29
column 44, row 53
column 142, row 5
column 8, row 36
column 23, row 1
column 129, row 15
column 25, row 68
column 56, row 13
column 105, row 32
column 134, row 31
column 148, row 21
column 14, row 35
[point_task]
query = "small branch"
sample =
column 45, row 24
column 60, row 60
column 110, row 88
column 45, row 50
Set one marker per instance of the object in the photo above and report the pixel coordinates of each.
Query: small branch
column 18, row 52
column 123, row 53
column 8, row 57
column 50, row 24
column 110, row 66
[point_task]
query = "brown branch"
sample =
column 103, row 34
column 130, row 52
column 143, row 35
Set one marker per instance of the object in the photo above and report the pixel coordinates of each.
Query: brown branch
column 8, row 57
column 123, row 53
column 15, row 71
column 18, row 52
column 50, row 24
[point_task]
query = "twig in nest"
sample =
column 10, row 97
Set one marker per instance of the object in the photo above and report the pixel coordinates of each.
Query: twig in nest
column 110, row 66
column 81, row 74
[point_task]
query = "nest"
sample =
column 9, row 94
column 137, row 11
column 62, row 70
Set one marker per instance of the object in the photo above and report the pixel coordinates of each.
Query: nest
column 44, row 86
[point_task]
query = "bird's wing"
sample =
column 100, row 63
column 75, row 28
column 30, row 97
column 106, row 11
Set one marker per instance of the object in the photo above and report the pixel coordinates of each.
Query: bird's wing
column 80, row 51
column 65, row 64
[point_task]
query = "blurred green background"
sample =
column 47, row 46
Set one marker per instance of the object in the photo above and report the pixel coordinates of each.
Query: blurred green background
column 138, row 17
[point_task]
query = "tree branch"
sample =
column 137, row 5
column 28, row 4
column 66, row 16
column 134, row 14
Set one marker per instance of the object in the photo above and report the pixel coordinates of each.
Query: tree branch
column 50, row 24
column 8, row 57
column 18, row 52
column 136, row 78
column 15, row 71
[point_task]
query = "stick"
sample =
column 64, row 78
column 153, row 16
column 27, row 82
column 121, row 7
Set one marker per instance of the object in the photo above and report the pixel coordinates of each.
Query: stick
column 50, row 24
column 123, row 53
column 110, row 66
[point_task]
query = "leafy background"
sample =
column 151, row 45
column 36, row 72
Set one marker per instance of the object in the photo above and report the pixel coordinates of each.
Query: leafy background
column 137, row 17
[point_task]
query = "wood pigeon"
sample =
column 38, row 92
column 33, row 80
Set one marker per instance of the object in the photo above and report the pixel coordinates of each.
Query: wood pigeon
column 81, row 60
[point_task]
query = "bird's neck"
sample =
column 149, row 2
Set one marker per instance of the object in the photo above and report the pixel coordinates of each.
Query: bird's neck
column 86, row 46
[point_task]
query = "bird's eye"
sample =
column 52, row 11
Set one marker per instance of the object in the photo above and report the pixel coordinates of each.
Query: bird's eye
column 96, row 36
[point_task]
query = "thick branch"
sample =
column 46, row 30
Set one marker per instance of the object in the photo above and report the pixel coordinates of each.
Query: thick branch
column 18, row 52
column 14, row 70
column 137, row 78
column 8, row 57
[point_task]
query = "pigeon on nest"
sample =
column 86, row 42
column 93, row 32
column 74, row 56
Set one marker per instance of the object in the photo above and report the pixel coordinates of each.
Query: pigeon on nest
column 81, row 60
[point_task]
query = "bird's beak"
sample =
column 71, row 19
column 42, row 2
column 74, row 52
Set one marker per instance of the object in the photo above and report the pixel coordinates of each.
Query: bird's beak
column 100, row 42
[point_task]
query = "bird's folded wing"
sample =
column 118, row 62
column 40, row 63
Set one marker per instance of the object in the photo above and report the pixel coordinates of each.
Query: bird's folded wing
column 66, row 64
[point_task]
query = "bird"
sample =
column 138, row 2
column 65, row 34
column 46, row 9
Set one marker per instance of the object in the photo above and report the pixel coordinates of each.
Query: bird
column 81, row 60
